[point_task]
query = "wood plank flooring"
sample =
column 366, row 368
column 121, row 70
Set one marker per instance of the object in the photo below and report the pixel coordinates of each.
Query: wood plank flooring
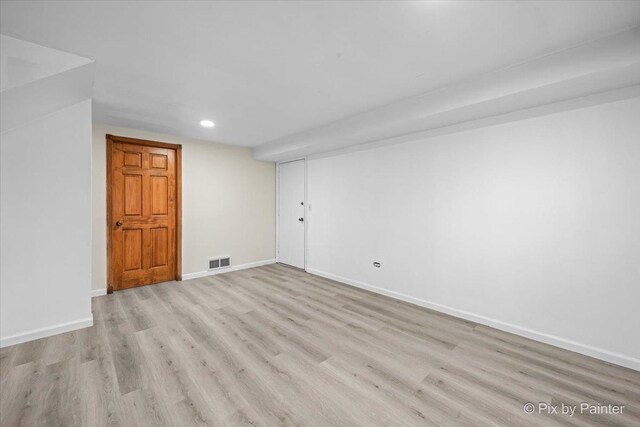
column 277, row 346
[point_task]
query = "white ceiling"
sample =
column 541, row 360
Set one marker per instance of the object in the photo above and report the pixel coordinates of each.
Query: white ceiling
column 265, row 70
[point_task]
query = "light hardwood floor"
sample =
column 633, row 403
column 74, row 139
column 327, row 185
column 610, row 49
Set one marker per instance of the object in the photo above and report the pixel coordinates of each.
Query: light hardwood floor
column 277, row 346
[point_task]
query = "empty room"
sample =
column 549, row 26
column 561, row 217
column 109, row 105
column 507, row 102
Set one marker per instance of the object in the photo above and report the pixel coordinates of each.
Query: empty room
column 320, row 213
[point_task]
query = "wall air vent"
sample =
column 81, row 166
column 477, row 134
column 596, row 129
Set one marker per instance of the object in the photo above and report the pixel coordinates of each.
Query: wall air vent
column 219, row 262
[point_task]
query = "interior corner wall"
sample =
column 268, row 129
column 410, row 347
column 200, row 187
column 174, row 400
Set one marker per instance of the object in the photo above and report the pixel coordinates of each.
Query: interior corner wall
column 45, row 225
column 228, row 204
column 532, row 227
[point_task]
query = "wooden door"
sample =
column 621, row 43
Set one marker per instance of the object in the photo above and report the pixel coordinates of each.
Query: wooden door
column 143, row 189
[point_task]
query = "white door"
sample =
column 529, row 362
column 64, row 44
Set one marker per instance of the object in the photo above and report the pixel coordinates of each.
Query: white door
column 291, row 213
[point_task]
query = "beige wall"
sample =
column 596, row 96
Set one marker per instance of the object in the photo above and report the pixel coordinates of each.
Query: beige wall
column 228, row 205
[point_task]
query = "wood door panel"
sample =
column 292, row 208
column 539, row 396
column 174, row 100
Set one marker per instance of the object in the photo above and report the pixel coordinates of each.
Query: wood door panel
column 132, row 249
column 133, row 159
column 159, row 246
column 143, row 191
column 159, row 195
column 132, row 195
column 158, row 161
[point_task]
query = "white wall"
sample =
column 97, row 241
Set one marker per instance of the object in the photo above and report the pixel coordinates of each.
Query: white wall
column 531, row 226
column 228, row 203
column 45, row 222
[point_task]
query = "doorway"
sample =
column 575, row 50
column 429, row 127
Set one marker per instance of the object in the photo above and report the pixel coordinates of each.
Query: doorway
column 291, row 213
column 144, row 225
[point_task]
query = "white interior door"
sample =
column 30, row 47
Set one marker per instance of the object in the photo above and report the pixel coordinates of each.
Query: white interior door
column 291, row 213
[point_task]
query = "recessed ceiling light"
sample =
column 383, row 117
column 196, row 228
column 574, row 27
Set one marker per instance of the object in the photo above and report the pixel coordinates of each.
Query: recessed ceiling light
column 207, row 123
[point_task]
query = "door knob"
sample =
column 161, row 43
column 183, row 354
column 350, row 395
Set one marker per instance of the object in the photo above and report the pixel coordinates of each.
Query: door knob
column 300, row 219
column 118, row 223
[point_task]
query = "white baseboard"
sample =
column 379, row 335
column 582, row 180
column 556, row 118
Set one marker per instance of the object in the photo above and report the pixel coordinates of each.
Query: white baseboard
column 46, row 332
column 98, row 292
column 228, row 269
column 598, row 353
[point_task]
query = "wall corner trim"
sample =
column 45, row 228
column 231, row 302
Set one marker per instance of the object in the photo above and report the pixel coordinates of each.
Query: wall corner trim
column 46, row 332
column 598, row 353
column 198, row 274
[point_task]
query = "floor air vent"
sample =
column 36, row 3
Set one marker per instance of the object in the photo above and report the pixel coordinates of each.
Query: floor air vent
column 219, row 262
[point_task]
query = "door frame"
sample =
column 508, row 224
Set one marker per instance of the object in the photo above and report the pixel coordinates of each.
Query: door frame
column 306, row 209
column 111, row 139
